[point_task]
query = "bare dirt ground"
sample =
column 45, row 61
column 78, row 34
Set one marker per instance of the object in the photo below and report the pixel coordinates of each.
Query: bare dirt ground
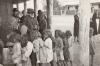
column 97, row 51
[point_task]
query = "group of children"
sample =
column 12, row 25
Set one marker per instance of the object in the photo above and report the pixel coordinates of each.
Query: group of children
column 63, row 47
column 41, row 49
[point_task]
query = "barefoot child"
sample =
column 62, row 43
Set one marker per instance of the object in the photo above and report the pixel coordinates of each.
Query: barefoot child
column 59, row 48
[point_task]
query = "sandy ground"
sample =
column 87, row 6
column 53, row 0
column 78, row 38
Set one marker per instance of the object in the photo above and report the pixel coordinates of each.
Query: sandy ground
column 97, row 51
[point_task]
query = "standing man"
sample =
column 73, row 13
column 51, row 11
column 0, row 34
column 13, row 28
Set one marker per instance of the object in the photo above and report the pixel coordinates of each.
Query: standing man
column 42, row 21
column 32, row 27
column 30, row 21
column 76, row 26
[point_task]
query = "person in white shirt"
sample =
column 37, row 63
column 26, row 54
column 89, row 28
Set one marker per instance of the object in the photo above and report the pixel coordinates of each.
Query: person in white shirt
column 39, row 49
column 16, row 57
column 48, row 46
column 27, row 48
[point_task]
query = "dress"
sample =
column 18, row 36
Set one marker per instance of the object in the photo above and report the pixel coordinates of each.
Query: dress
column 59, row 48
column 71, row 42
column 39, row 50
column 66, row 49
column 49, row 50
column 26, row 52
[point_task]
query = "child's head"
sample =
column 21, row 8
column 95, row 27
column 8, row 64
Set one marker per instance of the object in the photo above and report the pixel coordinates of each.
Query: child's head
column 23, row 29
column 35, row 35
column 15, row 38
column 24, row 40
column 91, row 32
column 47, row 34
column 57, row 33
column 63, row 35
column 68, row 34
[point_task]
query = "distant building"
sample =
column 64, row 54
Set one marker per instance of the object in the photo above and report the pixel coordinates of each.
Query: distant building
column 69, row 6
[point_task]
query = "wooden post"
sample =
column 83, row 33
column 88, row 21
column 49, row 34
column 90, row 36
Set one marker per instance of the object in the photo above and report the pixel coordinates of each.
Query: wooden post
column 17, row 5
column 84, row 25
column 35, row 8
column 25, row 5
column 49, row 12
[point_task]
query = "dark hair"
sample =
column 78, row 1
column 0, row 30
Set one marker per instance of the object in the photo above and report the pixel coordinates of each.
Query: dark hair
column 47, row 32
column 30, row 11
column 24, row 40
column 39, row 11
column 68, row 33
column 34, row 34
column 58, row 32
column 23, row 11
column 15, row 36
column 15, row 9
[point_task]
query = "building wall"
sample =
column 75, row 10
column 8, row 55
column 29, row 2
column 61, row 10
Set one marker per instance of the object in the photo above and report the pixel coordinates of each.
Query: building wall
column 5, row 15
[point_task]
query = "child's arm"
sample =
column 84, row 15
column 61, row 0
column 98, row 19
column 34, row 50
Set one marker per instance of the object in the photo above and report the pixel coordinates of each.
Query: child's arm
column 36, row 46
column 61, row 42
column 71, row 41
column 18, row 51
column 48, row 44
column 29, row 48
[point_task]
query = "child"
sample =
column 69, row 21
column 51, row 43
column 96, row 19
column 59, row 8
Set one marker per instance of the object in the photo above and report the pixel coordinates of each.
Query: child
column 27, row 48
column 14, row 50
column 39, row 49
column 48, row 46
column 17, row 50
column 68, row 42
column 91, row 47
column 59, row 48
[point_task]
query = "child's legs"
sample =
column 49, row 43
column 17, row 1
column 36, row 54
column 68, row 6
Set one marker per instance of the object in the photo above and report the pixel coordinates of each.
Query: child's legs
column 54, row 63
column 65, row 63
column 91, row 60
column 71, row 63
column 41, row 64
column 19, row 64
column 60, row 63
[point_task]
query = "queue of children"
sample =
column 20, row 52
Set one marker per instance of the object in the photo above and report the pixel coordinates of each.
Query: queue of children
column 45, row 49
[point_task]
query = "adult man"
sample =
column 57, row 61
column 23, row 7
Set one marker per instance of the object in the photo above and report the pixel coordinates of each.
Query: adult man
column 30, row 21
column 32, row 26
column 42, row 21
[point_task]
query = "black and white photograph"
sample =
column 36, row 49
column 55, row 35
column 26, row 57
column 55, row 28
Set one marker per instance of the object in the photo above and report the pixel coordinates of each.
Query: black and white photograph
column 49, row 32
